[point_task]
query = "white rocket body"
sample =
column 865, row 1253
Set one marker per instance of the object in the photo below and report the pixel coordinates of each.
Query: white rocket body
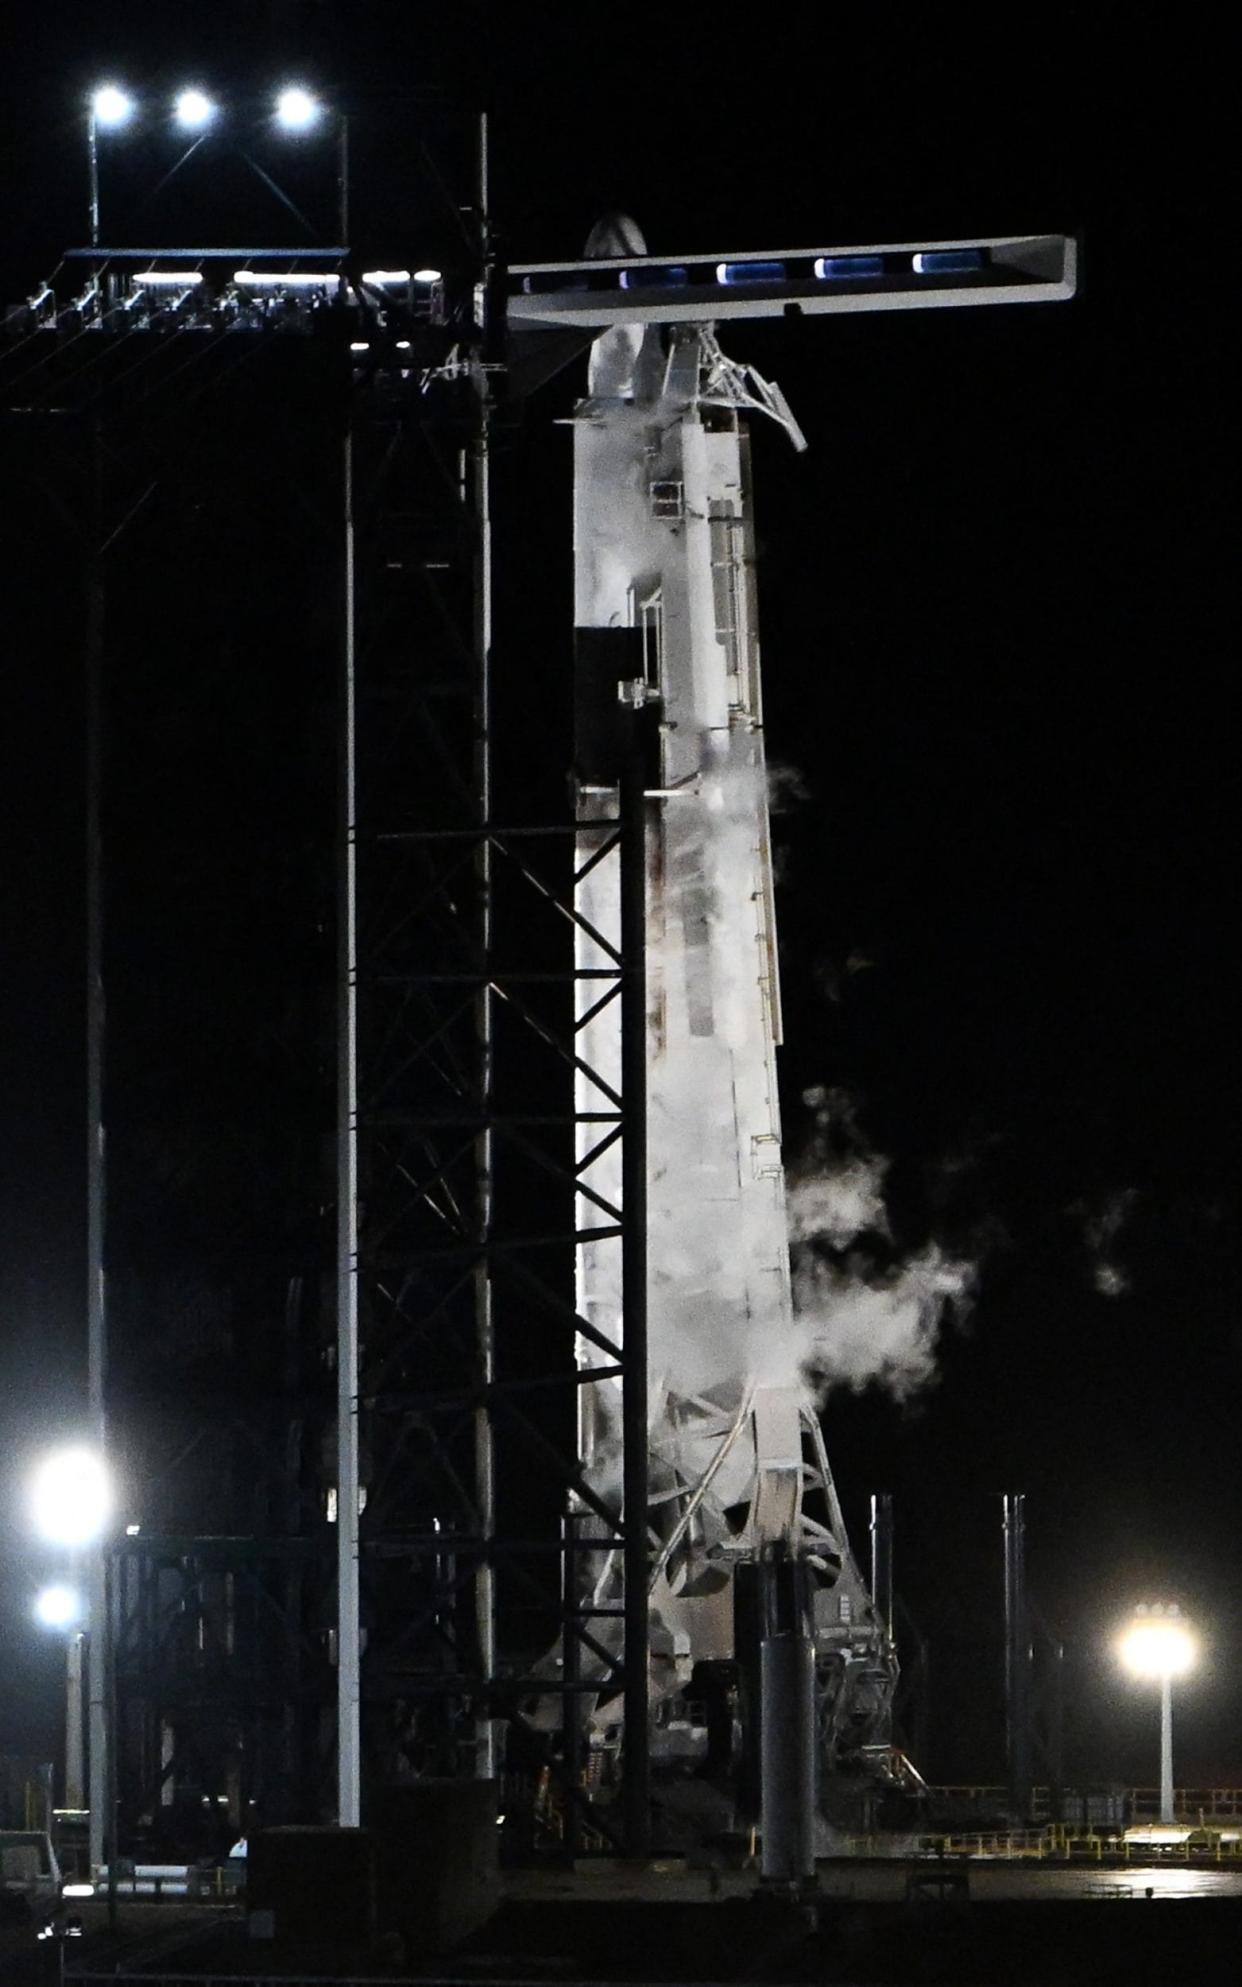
column 663, row 548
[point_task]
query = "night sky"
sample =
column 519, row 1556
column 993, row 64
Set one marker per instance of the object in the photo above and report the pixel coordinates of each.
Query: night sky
column 996, row 651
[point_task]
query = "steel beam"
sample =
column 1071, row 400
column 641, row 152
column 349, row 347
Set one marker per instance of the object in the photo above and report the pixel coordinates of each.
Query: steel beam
column 1017, row 1658
column 637, row 1765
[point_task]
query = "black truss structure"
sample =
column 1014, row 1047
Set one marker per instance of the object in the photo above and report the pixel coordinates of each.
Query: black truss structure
column 192, row 476
column 185, row 450
column 468, row 1055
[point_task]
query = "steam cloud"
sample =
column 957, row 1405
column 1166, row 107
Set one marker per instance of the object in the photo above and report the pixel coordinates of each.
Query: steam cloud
column 867, row 1316
column 1102, row 1228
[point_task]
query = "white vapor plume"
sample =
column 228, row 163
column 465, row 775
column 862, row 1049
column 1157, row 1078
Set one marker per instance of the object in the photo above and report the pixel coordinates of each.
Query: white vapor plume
column 882, row 1330
column 1109, row 1280
column 837, row 1206
column 1102, row 1227
column 787, row 787
column 863, row 1318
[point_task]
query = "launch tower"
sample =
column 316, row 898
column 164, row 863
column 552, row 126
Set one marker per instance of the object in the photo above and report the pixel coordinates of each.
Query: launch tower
column 587, row 999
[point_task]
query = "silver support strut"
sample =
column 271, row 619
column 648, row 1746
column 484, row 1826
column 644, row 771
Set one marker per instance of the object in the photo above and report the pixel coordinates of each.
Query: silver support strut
column 484, row 1446
column 348, row 1482
column 98, row 1774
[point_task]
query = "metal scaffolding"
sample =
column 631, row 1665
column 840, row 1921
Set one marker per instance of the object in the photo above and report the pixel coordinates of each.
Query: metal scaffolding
column 449, row 1344
column 465, row 1130
column 334, row 1338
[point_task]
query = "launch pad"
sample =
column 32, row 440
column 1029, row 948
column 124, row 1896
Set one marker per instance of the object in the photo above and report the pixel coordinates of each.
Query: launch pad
column 865, row 1924
column 521, row 1445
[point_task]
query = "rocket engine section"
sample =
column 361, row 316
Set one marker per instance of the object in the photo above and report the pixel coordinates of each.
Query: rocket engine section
column 739, row 1480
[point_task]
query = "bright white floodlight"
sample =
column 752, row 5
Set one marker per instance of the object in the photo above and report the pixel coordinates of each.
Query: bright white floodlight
column 194, row 110
column 296, row 109
column 110, row 106
column 1158, row 1643
column 71, row 1497
column 58, row 1607
column 426, row 275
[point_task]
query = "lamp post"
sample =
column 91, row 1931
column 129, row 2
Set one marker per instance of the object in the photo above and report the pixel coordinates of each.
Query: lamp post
column 295, row 111
column 109, row 108
column 1158, row 1644
column 71, row 1505
column 60, row 1608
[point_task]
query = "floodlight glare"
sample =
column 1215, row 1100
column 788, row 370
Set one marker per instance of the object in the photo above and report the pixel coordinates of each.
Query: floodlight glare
column 110, row 106
column 58, row 1607
column 194, row 110
column 1158, row 1645
column 426, row 275
column 286, row 279
column 71, row 1497
column 296, row 109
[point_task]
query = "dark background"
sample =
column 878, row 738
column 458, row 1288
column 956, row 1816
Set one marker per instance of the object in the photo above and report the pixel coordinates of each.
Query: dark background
column 995, row 641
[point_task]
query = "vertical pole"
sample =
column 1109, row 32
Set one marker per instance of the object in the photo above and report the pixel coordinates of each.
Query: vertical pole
column 786, row 1726
column 96, row 1311
column 1056, row 1731
column 882, row 1558
column 1017, row 1658
column 484, row 1447
column 92, row 170
column 342, row 181
column 348, row 1631
column 74, row 1650
column 917, row 1675
column 1166, row 1748
column 637, row 1783
column 113, row 1785
column 571, row 1703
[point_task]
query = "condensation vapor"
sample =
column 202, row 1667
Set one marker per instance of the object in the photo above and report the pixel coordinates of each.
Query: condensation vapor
column 1103, row 1226
column 865, row 1315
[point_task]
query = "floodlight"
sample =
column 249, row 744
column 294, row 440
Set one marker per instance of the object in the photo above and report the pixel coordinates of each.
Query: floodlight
column 427, row 276
column 285, row 279
column 194, row 110
column 58, row 1607
column 297, row 109
column 386, row 279
column 110, row 106
column 71, row 1497
column 1158, row 1643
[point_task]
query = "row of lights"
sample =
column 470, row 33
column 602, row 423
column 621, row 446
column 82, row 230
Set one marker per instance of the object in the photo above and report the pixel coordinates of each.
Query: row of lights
column 295, row 109
column 1159, row 1642
column 287, row 279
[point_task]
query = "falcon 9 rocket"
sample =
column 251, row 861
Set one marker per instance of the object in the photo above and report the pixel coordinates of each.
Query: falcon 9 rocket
column 762, row 1631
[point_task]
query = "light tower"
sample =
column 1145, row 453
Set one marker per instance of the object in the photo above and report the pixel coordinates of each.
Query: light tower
column 1158, row 1645
column 71, row 1500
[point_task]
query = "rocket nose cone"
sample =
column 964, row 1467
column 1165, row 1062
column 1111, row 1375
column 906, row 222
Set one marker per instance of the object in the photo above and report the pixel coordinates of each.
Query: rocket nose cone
column 615, row 234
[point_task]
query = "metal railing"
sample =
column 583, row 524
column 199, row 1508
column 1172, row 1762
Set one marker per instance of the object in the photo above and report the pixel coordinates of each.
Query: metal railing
column 1206, row 1804
column 1200, row 1804
column 1053, row 1843
column 148, row 1979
